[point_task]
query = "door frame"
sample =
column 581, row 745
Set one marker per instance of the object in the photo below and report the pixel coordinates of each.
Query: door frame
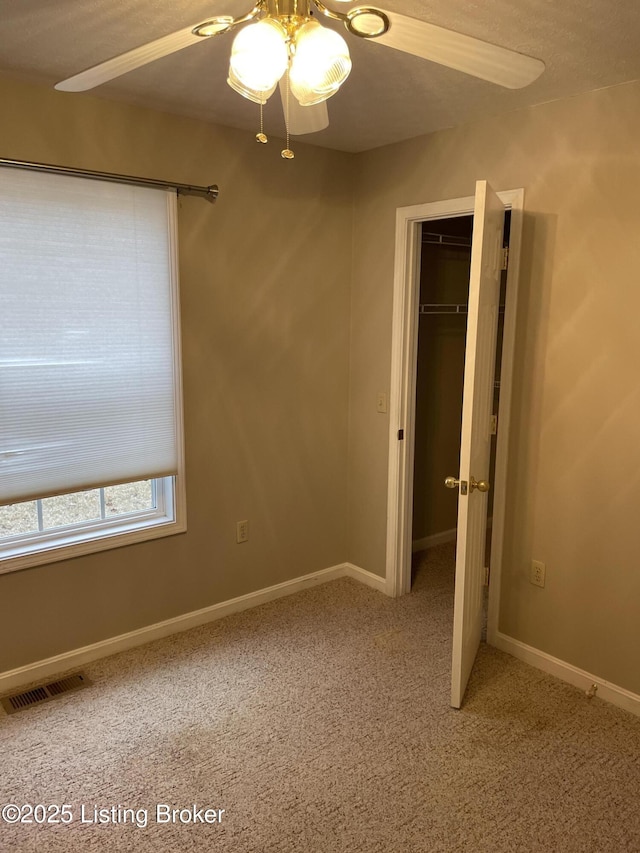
column 402, row 391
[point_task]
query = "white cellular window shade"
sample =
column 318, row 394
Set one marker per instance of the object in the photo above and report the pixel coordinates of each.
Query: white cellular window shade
column 88, row 394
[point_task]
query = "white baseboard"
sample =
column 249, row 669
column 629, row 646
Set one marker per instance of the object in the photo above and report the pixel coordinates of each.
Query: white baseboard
column 39, row 670
column 434, row 539
column 365, row 577
column 567, row 672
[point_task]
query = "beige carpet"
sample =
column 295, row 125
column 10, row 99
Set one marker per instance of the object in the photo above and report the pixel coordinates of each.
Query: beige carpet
column 321, row 723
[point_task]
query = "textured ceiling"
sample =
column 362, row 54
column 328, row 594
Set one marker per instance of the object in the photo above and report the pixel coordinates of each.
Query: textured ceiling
column 389, row 96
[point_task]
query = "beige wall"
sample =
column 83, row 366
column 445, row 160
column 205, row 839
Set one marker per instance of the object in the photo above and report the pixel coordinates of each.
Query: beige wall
column 268, row 361
column 265, row 276
column 574, row 477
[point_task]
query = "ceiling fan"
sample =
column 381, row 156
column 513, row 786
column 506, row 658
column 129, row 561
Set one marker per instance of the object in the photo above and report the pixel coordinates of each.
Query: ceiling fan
column 283, row 44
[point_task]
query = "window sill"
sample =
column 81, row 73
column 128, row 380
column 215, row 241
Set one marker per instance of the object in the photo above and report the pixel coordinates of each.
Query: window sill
column 73, row 544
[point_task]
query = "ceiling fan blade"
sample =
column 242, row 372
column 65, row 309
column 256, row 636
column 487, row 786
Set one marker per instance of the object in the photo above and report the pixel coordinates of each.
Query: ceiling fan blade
column 106, row 71
column 303, row 119
column 471, row 55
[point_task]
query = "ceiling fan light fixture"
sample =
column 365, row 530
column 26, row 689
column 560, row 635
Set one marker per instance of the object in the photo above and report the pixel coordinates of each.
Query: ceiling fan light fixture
column 280, row 41
column 214, row 27
column 367, row 23
column 259, row 58
column 320, row 64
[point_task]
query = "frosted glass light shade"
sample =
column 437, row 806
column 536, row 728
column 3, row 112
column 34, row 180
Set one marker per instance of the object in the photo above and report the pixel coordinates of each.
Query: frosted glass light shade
column 258, row 96
column 320, row 65
column 259, row 58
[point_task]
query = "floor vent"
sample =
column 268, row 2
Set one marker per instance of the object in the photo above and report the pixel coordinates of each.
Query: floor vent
column 44, row 693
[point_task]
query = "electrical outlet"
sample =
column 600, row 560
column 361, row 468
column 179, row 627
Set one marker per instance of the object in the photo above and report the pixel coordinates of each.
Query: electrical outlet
column 538, row 572
column 242, row 531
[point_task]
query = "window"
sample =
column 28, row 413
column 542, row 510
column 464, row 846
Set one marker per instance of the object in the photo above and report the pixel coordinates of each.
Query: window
column 90, row 393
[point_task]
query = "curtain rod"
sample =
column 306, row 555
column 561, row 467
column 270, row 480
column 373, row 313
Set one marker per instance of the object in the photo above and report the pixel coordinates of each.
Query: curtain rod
column 210, row 193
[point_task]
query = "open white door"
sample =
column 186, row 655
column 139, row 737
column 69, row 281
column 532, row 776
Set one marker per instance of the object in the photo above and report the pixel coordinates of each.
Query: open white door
column 475, row 443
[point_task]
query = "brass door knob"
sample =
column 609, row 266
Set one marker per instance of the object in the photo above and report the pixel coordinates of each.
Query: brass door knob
column 480, row 485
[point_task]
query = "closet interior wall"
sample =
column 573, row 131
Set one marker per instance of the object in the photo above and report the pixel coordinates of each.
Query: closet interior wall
column 444, row 293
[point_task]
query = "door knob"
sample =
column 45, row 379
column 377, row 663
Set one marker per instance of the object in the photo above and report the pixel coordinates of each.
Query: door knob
column 452, row 483
column 480, row 485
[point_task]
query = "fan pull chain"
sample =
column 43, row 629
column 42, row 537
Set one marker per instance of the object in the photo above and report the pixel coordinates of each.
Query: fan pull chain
column 262, row 136
column 287, row 153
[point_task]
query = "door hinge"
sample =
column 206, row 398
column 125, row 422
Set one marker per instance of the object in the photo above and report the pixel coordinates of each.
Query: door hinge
column 505, row 258
column 400, row 435
column 493, row 425
column 486, row 575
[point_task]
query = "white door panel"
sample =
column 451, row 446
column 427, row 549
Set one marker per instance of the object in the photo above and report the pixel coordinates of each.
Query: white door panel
column 475, row 445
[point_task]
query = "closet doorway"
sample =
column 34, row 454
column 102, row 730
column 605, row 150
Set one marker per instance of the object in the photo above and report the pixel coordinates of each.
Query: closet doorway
column 445, row 264
column 481, row 217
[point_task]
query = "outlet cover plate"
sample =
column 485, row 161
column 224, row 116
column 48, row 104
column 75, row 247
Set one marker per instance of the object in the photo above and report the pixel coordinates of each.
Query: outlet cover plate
column 242, row 531
column 538, row 572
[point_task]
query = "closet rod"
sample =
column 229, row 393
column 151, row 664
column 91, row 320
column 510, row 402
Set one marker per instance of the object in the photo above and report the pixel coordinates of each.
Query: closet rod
column 210, row 193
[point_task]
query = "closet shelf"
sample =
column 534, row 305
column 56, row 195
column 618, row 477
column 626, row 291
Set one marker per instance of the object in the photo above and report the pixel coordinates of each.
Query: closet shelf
column 446, row 240
column 429, row 308
column 441, row 308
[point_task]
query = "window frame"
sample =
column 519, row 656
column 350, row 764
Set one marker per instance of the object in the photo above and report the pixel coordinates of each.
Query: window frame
column 86, row 537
